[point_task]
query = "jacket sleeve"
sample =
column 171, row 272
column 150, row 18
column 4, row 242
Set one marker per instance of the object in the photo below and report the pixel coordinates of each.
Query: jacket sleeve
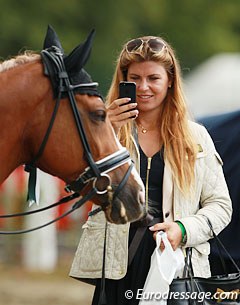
column 215, row 203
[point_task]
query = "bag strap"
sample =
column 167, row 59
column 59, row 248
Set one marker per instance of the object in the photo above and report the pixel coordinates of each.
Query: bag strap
column 102, row 298
column 148, row 221
column 135, row 243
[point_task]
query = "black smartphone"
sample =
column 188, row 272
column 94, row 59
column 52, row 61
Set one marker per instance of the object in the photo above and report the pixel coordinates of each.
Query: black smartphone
column 128, row 89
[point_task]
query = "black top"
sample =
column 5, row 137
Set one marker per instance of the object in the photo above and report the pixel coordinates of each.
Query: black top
column 155, row 180
column 139, row 267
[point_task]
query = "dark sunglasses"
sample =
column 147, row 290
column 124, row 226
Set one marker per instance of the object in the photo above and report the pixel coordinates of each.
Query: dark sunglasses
column 154, row 44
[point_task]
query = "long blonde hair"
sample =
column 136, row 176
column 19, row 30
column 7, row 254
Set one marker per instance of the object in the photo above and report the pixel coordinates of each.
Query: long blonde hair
column 180, row 148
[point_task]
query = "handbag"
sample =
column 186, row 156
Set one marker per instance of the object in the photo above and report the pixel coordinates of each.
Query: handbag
column 219, row 289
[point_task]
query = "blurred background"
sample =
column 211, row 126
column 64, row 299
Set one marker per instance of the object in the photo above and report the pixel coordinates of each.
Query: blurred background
column 205, row 34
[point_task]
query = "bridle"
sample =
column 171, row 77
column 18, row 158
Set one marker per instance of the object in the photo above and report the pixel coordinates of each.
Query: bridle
column 97, row 171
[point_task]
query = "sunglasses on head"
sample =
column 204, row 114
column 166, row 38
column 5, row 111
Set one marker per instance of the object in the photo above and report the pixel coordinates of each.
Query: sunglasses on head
column 154, row 44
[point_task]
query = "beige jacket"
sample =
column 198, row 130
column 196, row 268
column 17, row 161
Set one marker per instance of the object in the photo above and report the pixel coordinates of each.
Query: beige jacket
column 210, row 198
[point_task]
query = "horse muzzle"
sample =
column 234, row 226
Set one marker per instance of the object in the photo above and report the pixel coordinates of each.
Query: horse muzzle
column 123, row 209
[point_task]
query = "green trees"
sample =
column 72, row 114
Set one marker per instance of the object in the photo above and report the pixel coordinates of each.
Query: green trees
column 196, row 28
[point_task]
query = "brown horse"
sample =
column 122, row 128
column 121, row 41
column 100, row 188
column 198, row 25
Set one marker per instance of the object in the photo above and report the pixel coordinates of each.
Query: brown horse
column 30, row 85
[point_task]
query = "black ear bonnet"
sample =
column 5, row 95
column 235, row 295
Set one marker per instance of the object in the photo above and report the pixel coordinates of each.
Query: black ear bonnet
column 74, row 63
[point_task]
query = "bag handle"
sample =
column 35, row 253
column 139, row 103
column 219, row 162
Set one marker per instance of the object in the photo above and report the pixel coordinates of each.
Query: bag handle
column 221, row 247
column 188, row 270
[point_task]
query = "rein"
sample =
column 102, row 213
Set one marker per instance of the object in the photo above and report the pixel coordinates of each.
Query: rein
column 96, row 171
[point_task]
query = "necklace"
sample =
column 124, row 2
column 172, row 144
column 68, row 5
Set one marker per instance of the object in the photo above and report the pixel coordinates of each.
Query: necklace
column 145, row 130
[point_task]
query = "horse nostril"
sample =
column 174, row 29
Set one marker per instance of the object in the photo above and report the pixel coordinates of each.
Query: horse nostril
column 142, row 197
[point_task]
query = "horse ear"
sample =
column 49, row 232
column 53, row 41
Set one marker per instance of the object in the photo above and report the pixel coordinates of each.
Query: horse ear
column 51, row 39
column 76, row 60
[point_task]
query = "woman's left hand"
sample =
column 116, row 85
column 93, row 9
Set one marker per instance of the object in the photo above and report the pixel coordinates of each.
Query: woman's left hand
column 173, row 231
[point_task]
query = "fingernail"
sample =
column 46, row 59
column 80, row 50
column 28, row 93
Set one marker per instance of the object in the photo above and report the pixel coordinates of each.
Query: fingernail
column 151, row 228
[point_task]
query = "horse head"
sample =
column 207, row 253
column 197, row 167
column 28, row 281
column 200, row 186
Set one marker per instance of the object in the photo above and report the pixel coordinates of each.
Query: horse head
column 74, row 155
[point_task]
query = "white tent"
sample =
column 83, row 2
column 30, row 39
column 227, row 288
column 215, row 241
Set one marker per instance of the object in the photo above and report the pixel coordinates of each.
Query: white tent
column 214, row 86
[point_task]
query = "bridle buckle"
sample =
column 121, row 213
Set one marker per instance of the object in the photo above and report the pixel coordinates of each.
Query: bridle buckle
column 102, row 184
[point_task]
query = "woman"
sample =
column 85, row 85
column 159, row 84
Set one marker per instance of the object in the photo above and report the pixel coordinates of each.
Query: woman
column 179, row 165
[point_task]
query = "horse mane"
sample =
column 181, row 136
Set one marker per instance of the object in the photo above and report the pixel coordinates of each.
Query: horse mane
column 20, row 59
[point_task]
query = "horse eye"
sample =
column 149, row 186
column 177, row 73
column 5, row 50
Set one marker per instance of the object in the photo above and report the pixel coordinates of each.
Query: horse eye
column 98, row 115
